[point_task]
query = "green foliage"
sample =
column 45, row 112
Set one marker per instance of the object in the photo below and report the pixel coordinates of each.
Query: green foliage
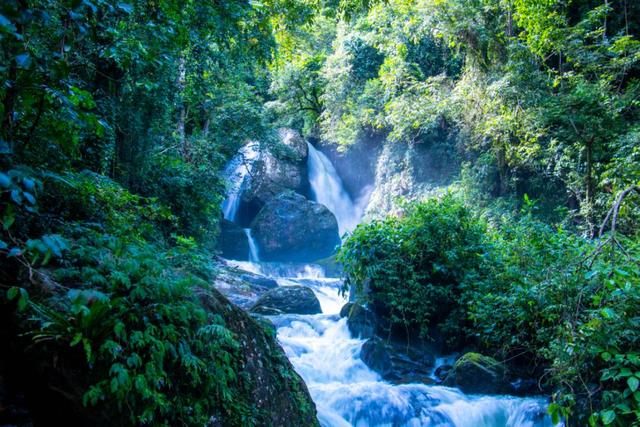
column 153, row 355
column 559, row 307
column 413, row 269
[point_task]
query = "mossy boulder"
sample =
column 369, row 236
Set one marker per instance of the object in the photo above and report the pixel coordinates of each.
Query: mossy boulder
column 475, row 373
column 270, row 385
column 280, row 167
column 287, row 300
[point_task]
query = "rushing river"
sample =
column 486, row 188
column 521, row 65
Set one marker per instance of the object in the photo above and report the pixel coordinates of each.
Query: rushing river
column 322, row 350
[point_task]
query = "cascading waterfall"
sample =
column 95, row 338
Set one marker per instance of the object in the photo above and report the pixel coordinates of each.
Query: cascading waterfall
column 328, row 190
column 253, row 247
column 235, row 173
column 346, row 392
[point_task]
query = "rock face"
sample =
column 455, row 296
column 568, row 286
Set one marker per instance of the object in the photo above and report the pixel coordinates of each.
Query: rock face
column 280, row 167
column 241, row 287
column 233, row 241
column 292, row 228
column 289, row 300
column 475, row 373
column 271, row 387
column 408, row 171
column 398, row 362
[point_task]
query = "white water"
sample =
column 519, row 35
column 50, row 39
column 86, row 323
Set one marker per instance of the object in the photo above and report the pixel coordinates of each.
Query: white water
column 328, row 190
column 348, row 393
column 235, row 173
column 253, row 247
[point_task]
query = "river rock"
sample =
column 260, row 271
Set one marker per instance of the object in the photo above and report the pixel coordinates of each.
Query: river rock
column 360, row 320
column 242, row 287
column 398, row 362
column 280, row 167
column 233, row 241
column 292, row 228
column 475, row 373
column 289, row 300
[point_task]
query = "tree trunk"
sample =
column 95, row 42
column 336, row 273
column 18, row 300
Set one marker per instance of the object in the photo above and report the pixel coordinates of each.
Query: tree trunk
column 182, row 81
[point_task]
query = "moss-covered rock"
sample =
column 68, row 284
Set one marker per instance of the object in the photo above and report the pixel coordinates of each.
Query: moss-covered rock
column 270, row 387
column 478, row 374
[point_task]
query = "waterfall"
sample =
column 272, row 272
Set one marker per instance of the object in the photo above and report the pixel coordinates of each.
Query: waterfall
column 328, row 190
column 253, row 246
column 235, row 173
column 347, row 393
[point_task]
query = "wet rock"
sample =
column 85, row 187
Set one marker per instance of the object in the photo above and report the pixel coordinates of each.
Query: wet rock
column 233, row 241
column 298, row 150
column 292, row 228
column 442, row 372
column 289, row 300
column 475, row 373
column 242, row 287
column 398, row 362
column 272, row 389
column 280, row 167
column 360, row 320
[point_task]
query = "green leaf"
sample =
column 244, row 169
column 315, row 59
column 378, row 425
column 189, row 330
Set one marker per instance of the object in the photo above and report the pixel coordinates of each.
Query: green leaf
column 608, row 417
column 12, row 293
column 5, row 181
column 23, row 60
column 633, row 383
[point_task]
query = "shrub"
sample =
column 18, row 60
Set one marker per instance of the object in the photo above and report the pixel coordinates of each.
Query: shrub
column 413, row 268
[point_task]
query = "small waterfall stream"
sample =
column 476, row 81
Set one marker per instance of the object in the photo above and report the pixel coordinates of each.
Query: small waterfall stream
column 253, row 247
column 346, row 392
column 235, row 173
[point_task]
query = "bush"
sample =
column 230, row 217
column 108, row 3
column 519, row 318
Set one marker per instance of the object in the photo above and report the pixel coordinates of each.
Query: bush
column 413, row 269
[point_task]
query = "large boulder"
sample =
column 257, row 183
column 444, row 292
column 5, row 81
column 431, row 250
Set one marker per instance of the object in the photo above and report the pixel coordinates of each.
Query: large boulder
column 287, row 300
column 291, row 228
column 233, row 241
column 397, row 362
column 280, row 167
column 475, row 373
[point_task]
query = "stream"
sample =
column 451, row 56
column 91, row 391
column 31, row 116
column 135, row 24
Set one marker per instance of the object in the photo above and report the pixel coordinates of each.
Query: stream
column 321, row 349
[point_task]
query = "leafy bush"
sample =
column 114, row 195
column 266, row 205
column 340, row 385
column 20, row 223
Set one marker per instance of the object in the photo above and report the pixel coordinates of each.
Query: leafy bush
column 413, row 268
column 558, row 307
